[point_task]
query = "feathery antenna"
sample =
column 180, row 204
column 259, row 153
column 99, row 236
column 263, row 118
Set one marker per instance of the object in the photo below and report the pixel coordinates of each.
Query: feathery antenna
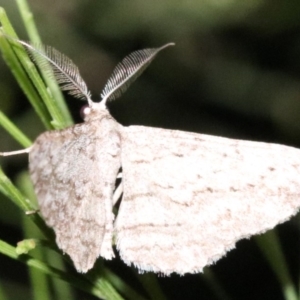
column 127, row 71
column 62, row 68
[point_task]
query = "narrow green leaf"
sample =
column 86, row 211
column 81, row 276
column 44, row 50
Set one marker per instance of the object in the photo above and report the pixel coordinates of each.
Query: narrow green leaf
column 17, row 58
column 14, row 131
column 270, row 247
column 33, row 34
column 10, row 191
column 39, row 281
column 105, row 292
column 26, row 85
column 151, row 285
column 2, row 293
column 123, row 288
column 214, row 284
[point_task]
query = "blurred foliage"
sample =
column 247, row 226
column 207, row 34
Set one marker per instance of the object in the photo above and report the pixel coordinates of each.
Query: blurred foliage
column 235, row 72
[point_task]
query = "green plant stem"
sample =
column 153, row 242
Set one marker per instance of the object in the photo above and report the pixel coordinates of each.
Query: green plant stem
column 270, row 247
column 13, row 62
column 39, row 281
column 106, row 291
column 57, row 118
column 34, row 36
column 2, row 293
column 14, row 131
column 14, row 194
column 214, row 284
column 151, row 285
column 124, row 289
column 10, row 191
column 28, row 21
column 44, row 102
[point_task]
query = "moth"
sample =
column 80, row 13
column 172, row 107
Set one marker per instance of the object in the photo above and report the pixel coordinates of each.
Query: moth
column 187, row 197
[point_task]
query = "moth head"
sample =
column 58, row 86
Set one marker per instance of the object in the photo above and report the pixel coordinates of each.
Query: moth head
column 94, row 111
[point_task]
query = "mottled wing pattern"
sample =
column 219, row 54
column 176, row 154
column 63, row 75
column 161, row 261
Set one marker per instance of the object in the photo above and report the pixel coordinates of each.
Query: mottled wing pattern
column 73, row 172
column 188, row 198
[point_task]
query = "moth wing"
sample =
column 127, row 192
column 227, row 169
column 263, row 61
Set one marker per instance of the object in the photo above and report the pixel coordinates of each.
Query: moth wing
column 188, row 198
column 74, row 179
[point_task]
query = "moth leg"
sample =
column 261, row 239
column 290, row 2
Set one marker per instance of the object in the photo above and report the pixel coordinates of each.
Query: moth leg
column 17, row 152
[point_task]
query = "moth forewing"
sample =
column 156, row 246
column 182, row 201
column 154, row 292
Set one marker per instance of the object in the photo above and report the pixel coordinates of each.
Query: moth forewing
column 191, row 197
column 73, row 172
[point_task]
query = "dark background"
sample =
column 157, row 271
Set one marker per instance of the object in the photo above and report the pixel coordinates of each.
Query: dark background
column 234, row 72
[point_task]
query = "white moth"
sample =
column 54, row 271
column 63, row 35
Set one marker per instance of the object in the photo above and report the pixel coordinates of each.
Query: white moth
column 187, row 197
